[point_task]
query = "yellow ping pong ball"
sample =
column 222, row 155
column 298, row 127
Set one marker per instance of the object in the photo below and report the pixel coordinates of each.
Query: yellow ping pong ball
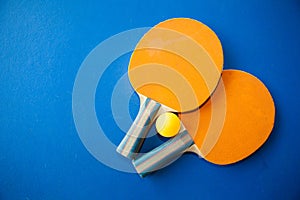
column 167, row 124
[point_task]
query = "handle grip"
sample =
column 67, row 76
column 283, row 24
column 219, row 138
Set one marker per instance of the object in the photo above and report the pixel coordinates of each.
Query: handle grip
column 163, row 155
column 134, row 139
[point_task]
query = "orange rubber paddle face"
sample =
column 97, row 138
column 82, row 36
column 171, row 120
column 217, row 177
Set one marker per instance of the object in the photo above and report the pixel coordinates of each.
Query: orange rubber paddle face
column 177, row 63
column 247, row 123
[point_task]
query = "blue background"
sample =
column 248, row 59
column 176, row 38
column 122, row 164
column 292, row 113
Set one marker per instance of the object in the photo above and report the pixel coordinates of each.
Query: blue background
column 42, row 45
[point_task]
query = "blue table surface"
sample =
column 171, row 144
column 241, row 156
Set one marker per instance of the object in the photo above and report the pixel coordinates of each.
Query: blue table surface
column 42, row 46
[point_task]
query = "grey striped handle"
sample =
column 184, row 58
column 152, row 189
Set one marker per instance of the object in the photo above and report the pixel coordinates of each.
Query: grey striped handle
column 134, row 139
column 163, row 155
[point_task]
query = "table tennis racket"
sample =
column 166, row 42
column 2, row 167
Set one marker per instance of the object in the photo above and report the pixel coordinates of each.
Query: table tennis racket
column 248, row 122
column 175, row 67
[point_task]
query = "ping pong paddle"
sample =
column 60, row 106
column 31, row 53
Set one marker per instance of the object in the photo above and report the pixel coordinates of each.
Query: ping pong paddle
column 248, row 122
column 175, row 67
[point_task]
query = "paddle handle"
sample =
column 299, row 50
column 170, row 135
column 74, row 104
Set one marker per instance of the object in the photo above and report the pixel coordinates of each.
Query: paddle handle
column 163, row 155
column 134, row 139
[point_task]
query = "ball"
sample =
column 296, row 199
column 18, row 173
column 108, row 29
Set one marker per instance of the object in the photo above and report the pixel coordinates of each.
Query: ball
column 168, row 124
